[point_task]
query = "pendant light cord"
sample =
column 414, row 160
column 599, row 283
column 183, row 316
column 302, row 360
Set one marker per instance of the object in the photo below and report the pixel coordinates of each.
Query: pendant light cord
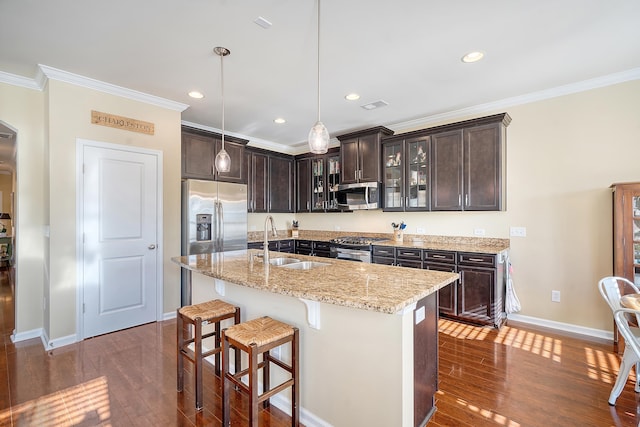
column 318, row 60
column 222, row 93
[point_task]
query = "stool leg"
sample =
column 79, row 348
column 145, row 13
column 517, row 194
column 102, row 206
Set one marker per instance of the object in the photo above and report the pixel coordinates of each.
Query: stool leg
column 198, row 361
column 295, row 389
column 226, row 385
column 217, row 344
column 266, row 386
column 253, row 386
column 236, row 352
column 179, row 344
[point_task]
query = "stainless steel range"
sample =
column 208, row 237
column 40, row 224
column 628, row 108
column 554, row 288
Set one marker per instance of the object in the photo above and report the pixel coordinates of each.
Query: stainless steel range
column 353, row 248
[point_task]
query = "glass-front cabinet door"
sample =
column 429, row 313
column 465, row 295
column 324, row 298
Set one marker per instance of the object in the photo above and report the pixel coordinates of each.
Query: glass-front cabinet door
column 418, row 174
column 325, row 172
column 636, row 240
column 393, row 176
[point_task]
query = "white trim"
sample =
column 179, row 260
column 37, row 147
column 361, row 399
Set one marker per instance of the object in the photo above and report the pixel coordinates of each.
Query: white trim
column 169, row 316
column 27, row 335
column 80, row 144
column 64, row 76
column 15, row 80
column 560, row 326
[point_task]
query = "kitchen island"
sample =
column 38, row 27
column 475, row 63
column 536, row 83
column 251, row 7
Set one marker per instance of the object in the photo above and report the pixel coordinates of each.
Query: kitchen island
column 368, row 333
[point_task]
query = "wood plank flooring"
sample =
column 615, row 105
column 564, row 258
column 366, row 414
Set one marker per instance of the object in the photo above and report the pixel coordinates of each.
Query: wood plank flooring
column 516, row 376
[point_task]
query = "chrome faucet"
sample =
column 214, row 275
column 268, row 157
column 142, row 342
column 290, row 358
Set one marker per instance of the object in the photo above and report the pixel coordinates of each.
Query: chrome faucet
column 274, row 232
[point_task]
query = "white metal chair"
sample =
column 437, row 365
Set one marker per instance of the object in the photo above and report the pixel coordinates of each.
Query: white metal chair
column 610, row 289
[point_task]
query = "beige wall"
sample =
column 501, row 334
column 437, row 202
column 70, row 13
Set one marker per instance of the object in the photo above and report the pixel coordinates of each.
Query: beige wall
column 562, row 156
column 23, row 110
column 69, row 119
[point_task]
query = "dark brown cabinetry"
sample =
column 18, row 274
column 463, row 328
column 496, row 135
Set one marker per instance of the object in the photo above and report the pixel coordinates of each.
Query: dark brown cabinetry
column 286, row 246
column 199, row 149
column 313, row 248
column 477, row 297
column 270, row 178
column 318, row 178
column 626, row 231
column 360, row 155
column 468, row 170
column 406, row 173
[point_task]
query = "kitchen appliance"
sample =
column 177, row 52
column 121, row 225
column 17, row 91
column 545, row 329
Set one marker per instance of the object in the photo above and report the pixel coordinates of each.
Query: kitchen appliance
column 360, row 195
column 214, row 217
column 353, row 248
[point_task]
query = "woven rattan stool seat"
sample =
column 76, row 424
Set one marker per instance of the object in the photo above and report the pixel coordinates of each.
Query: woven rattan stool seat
column 260, row 331
column 207, row 310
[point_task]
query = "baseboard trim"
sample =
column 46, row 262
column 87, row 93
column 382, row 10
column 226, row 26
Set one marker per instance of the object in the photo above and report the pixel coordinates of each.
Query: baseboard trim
column 588, row 333
column 27, row 335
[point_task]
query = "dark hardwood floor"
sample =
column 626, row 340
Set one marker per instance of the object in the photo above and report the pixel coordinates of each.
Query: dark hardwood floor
column 516, row 376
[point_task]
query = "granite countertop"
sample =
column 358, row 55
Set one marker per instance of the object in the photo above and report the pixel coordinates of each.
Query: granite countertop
column 375, row 287
column 485, row 245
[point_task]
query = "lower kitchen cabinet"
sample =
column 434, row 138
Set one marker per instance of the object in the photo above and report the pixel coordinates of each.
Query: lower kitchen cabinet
column 274, row 245
column 313, row 248
column 477, row 297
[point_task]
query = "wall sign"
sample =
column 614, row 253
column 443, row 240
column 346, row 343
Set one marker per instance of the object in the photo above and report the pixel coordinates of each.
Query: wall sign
column 120, row 122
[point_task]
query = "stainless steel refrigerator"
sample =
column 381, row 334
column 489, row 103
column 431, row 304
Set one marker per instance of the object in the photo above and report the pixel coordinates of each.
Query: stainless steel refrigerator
column 214, row 217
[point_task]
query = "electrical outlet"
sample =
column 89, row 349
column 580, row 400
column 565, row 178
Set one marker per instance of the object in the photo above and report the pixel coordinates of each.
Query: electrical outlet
column 336, row 227
column 555, row 296
column 420, row 230
column 478, row 231
column 518, row 231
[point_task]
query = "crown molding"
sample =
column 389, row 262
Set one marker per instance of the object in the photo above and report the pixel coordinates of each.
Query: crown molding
column 595, row 83
column 64, row 76
column 15, row 80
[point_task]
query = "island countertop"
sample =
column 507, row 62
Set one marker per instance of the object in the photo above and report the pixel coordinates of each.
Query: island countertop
column 381, row 288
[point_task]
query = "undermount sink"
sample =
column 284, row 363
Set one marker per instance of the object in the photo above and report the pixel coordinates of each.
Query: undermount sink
column 305, row 265
column 283, row 261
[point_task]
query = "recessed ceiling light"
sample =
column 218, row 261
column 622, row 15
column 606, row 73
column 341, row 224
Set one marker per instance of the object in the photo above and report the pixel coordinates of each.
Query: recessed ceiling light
column 473, row 57
column 195, row 94
column 352, row 97
column 279, row 120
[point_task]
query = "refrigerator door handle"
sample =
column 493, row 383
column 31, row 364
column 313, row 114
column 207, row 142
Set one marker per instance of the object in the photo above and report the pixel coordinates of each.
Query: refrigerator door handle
column 221, row 225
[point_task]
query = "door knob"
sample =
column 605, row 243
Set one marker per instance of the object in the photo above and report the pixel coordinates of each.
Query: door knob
column 152, row 247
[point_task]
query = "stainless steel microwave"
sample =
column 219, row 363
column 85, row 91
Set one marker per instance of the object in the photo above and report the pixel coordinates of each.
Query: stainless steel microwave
column 361, row 195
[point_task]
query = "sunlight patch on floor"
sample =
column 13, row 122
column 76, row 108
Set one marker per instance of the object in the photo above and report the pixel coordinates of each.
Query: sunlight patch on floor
column 84, row 404
column 460, row 330
column 603, row 365
column 487, row 413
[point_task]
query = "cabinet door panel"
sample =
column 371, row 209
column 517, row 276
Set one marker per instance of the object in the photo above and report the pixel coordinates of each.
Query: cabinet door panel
column 198, row 153
column 369, row 147
column 303, row 189
column 446, row 171
column 280, row 184
column 393, row 179
column 447, row 296
column 349, row 158
column 482, row 168
column 259, row 172
column 475, row 294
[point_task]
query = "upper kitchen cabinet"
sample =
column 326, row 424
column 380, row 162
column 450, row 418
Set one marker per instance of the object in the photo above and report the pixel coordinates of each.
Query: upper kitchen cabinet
column 360, row 155
column 406, row 173
column 468, row 170
column 270, row 178
column 199, row 149
column 318, row 178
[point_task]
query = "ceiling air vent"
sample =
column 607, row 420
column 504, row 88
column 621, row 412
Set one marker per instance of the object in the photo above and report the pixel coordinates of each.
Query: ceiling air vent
column 376, row 104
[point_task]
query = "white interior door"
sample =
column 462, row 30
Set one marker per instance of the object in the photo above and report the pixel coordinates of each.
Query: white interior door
column 119, row 211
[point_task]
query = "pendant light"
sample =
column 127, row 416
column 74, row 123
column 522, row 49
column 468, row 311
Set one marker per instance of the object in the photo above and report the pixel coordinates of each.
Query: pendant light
column 318, row 135
column 223, row 161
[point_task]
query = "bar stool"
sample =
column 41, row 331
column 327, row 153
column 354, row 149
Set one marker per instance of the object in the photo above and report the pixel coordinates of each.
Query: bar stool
column 256, row 337
column 199, row 315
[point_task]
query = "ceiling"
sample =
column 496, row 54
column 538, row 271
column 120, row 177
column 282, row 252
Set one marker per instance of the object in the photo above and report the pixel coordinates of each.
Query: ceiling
column 406, row 53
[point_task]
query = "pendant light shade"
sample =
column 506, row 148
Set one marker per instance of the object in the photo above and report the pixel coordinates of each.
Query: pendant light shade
column 223, row 161
column 318, row 135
